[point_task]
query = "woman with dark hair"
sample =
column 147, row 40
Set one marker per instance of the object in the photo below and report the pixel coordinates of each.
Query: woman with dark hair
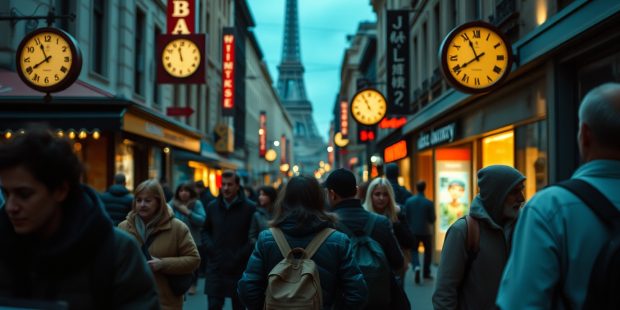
column 189, row 209
column 300, row 215
column 266, row 198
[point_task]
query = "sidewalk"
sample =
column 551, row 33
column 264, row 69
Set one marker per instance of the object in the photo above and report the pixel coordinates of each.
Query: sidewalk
column 419, row 294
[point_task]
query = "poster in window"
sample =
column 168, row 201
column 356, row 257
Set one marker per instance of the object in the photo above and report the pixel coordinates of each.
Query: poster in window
column 453, row 186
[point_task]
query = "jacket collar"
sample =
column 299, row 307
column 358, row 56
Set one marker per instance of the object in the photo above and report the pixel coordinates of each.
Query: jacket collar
column 348, row 203
column 601, row 168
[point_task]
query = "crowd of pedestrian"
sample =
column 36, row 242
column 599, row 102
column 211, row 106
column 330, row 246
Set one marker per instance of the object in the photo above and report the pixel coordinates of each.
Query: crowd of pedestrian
column 309, row 245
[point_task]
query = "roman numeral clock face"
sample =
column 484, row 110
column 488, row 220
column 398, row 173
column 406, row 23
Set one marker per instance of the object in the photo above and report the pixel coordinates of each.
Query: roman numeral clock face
column 48, row 60
column 368, row 107
column 475, row 57
column 181, row 58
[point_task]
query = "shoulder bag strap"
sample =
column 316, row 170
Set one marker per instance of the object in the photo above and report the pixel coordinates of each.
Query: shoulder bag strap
column 594, row 199
column 473, row 235
column 146, row 245
column 278, row 235
column 316, row 242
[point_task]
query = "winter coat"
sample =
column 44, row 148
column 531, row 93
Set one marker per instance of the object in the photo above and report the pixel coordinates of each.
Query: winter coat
column 420, row 214
column 259, row 223
column 342, row 282
column 194, row 221
column 476, row 288
column 173, row 244
column 87, row 263
column 118, row 202
column 558, row 238
column 225, row 236
column 351, row 213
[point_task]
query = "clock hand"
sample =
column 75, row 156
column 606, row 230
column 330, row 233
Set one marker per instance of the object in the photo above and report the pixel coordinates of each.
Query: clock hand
column 43, row 49
column 475, row 59
column 472, row 48
column 181, row 55
column 42, row 61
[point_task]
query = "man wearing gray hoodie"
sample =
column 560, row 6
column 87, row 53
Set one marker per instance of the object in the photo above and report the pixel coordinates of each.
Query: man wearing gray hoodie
column 474, row 285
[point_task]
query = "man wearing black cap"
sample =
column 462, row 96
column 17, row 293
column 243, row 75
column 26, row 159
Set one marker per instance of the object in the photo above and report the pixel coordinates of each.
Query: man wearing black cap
column 341, row 194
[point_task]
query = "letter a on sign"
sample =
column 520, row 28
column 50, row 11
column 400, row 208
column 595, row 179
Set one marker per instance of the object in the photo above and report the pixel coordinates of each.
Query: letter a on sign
column 181, row 16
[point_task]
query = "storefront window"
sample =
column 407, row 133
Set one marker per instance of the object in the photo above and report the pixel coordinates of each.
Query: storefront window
column 404, row 177
column 124, row 163
column 453, row 185
column 155, row 163
column 498, row 149
column 531, row 154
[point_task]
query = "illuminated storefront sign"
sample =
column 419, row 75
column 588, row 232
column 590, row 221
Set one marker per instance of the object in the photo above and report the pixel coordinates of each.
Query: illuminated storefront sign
column 262, row 134
column 395, row 151
column 397, row 54
column 283, row 150
column 392, row 122
column 434, row 137
column 228, row 71
column 181, row 16
column 344, row 119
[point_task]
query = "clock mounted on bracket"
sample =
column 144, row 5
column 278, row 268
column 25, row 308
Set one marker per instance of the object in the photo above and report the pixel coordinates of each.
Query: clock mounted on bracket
column 181, row 59
column 368, row 106
column 48, row 60
column 475, row 57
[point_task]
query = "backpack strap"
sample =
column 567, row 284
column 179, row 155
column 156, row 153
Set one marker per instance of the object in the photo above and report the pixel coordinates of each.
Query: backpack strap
column 594, row 199
column 283, row 245
column 316, row 242
column 370, row 224
column 473, row 236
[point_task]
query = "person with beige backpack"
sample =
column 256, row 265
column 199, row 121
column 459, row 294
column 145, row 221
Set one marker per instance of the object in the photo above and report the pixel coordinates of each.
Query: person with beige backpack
column 301, row 262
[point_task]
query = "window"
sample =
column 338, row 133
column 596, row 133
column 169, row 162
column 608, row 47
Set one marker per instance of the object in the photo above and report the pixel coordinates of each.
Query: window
column 98, row 50
column 139, row 54
column 531, row 153
column 156, row 97
column 498, row 149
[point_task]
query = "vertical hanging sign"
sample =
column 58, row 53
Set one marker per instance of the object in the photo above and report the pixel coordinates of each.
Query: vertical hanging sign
column 181, row 17
column 228, row 71
column 344, row 119
column 283, row 150
column 397, row 54
column 262, row 134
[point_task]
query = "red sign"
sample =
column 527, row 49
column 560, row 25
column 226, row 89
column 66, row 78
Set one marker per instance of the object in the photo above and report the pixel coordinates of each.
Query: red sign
column 393, row 123
column 395, row 151
column 228, row 71
column 181, row 16
column 283, row 150
column 366, row 135
column 262, row 134
column 179, row 111
column 344, row 119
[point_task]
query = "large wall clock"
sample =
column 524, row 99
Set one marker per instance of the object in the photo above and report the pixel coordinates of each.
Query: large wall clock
column 48, row 60
column 368, row 107
column 181, row 58
column 475, row 57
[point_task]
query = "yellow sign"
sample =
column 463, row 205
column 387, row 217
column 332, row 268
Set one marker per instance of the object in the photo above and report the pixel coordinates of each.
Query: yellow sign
column 226, row 141
column 339, row 140
column 135, row 124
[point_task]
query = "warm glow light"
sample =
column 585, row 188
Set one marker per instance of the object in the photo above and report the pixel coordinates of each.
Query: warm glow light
column 284, row 167
column 271, row 155
column 77, row 147
column 395, row 151
column 374, row 159
column 327, row 167
column 295, row 168
column 498, row 149
column 166, row 150
column 261, row 131
column 83, row 134
column 321, row 164
column 541, row 11
column 330, row 149
column 71, row 134
column 96, row 134
column 500, row 137
column 60, row 133
column 8, row 134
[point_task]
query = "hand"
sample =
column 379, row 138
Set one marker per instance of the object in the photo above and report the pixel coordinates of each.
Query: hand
column 477, row 58
column 42, row 61
column 180, row 55
column 155, row 264
column 472, row 48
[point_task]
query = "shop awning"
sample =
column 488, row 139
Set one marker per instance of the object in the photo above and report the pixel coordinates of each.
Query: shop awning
column 210, row 159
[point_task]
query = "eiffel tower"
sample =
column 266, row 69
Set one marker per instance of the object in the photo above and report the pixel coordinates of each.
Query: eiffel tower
column 309, row 148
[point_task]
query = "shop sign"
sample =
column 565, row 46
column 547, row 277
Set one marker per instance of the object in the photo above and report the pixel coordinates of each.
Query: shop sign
column 392, row 122
column 344, row 119
column 395, row 151
column 366, row 134
column 181, row 16
column 262, row 134
column 228, row 71
column 283, row 150
column 441, row 135
column 398, row 62
column 225, row 138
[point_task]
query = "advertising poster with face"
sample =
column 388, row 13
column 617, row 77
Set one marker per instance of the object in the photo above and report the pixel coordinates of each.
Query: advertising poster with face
column 452, row 185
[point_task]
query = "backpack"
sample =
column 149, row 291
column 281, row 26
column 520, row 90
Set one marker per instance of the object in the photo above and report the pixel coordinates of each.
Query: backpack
column 604, row 283
column 473, row 240
column 294, row 282
column 372, row 262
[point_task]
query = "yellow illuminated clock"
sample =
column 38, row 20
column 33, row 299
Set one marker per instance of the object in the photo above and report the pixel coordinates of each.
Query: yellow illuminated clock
column 48, row 60
column 339, row 140
column 475, row 57
column 181, row 58
column 368, row 107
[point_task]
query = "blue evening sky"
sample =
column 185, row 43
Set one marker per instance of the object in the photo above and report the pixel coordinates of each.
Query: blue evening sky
column 324, row 25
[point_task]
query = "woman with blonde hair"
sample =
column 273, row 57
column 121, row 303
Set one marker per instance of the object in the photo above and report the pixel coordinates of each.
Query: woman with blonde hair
column 165, row 241
column 380, row 199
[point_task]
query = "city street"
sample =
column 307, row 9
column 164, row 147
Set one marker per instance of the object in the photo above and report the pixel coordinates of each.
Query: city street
column 419, row 295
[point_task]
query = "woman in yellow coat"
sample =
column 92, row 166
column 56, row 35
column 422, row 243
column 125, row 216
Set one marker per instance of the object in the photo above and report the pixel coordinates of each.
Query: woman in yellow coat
column 172, row 251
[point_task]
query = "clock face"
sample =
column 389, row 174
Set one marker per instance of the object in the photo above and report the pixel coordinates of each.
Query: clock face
column 368, row 107
column 48, row 60
column 181, row 58
column 475, row 57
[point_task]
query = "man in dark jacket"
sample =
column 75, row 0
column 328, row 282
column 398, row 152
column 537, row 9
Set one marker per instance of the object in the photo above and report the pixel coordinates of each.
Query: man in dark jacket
column 341, row 194
column 401, row 194
column 228, row 247
column 117, row 199
column 467, row 280
column 56, row 244
column 420, row 215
